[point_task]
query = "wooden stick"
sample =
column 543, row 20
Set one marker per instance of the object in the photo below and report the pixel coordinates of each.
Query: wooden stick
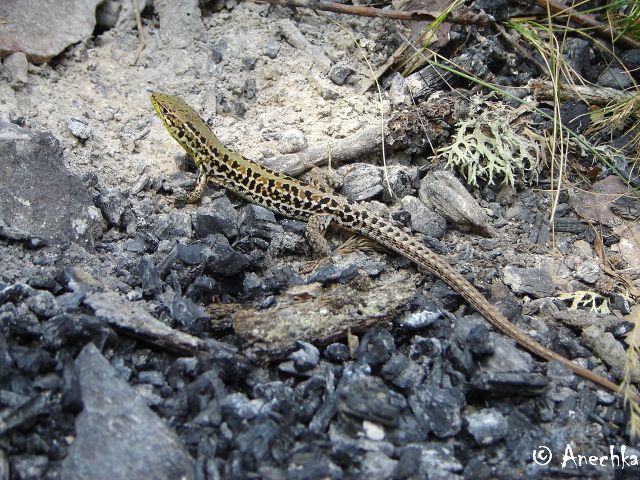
column 604, row 30
column 462, row 16
column 136, row 12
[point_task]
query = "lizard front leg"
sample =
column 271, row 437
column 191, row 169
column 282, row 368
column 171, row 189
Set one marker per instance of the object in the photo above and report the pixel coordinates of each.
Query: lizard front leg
column 196, row 195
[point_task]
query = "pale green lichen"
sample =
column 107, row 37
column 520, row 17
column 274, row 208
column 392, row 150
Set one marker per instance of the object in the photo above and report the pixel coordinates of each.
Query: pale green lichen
column 586, row 298
column 487, row 145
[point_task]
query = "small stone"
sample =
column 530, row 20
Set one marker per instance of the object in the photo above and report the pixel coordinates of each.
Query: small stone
column 43, row 304
column 249, row 88
column 402, row 372
column 272, row 48
column 79, row 128
column 376, row 347
column 112, row 203
column 202, row 289
column 486, row 426
column 190, row 254
column 438, row 409
column 588, row 271
column 339, row 72
column 221, row 259
column 368, row 398
column 529, row 281
column 337, row 352
column 447, row 196
column 189, row 315
column 28, row 467
column 306, row 358
column 149, row 277
column 292, row 141
column 399, row 91
column 423, row 219
column 362, row 181
column 257, row 221
column 217, row 216
column 16, row 66
column 421, row 318
column 403, row 180
column 615, row 77
column 331, row 272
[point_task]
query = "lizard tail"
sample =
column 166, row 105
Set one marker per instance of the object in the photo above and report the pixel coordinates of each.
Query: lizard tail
column 405, row 243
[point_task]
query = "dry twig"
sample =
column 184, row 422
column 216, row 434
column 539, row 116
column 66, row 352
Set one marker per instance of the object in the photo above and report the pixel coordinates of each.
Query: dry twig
column 462, row 16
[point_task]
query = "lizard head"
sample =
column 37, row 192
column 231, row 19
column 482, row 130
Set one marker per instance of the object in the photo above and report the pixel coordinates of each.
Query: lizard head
column 183, row 123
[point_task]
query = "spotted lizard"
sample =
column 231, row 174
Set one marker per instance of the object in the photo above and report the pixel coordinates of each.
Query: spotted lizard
column 319, row 207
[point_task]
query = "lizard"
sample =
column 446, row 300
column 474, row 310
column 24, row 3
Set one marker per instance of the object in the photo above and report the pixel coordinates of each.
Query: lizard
column 319, row 207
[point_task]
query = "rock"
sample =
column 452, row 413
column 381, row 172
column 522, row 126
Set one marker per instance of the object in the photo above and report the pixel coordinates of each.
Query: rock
column 615, row 77
column 529, row 281
column 588, row 271
column 16, row 66
column 306, row 358
column 339, row 72
column 149, row 277
column 180, row 23
column 399, row 91
column 579, row 56
column 221, row 259
column 108, row 12
column 376, row 347
column 292, row 141
column 448, row 197
column 511, row 383
column 272, row 48
column 361, row 181
column 377, row 465
column 189, row 316
column 367, row 398
column 437, row 409
column 190, row 254
column 257, row 221
column 43, row 304
column 402, row 372
column 169, row 226
column 28, row 467
column 336, row 352
column 31, row 164
column 403, row 181
column 575, row 115
column 423, row 219
column 486, row 426
column 113, row 204
column 57, row 25
column 79, row 128
column 217, row 216
column 202, row 289
column 117, row 435
column 330, row 272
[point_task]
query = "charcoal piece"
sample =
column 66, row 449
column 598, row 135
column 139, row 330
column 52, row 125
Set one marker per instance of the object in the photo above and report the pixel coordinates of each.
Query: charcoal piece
column 402, row 372
column 221, row 259
column 376, row 347
column 70, row 329
column 437, row 409
column 217, row 216
column 43, row 304
column 149, row 277
column 117, row 435
column 368, row 398
column 486, row 426
column 306, row 357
